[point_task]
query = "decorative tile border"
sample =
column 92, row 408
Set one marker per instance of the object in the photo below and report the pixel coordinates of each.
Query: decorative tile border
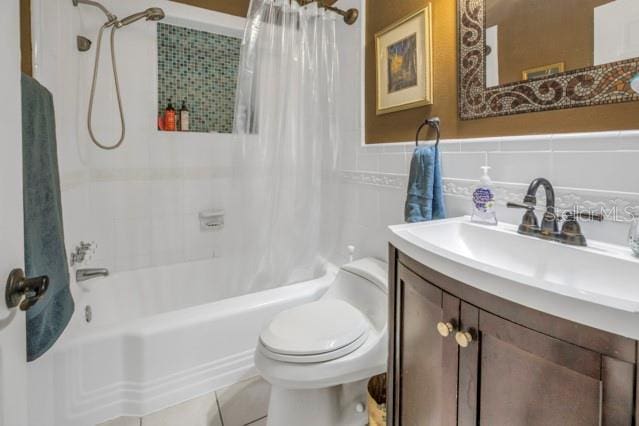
column 604, row 84
column 386, row 180
column 618, row 206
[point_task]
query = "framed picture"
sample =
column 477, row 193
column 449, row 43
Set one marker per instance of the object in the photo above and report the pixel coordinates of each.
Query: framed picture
column 544, row 71
column 404, row 63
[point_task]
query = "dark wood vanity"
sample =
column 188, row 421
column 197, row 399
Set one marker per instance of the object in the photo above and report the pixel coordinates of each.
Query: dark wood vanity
column 461, row 356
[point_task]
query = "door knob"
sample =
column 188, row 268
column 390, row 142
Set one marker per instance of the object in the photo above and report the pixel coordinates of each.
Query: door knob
column 445, row 328
column 18, row 286
column 463, row 338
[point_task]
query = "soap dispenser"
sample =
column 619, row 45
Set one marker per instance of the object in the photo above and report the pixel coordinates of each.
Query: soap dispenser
column 484, row 201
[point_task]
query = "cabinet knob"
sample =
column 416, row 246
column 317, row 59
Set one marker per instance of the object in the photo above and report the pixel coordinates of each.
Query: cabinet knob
column 445, row 328
column 463, row 338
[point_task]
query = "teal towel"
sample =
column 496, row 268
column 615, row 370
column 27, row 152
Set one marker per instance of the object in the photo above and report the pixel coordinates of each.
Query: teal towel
column 425, row 198
column 44, row 250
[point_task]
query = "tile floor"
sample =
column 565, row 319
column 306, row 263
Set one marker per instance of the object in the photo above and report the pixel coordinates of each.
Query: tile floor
column 242, row 404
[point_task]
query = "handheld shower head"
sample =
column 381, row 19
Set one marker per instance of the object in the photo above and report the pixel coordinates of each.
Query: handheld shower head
column 151, row 14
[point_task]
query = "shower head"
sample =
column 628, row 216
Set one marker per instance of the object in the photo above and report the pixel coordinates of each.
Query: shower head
column 151, row 14
column 350, row 15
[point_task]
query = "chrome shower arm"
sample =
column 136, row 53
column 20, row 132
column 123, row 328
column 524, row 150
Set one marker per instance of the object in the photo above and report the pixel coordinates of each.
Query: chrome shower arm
column 110, row 16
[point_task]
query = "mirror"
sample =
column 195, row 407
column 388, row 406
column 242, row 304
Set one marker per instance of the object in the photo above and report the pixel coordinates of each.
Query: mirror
column 529, row 39
column 521, row 56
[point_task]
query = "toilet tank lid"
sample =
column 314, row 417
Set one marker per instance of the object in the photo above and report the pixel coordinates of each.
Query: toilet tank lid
column 373, row 270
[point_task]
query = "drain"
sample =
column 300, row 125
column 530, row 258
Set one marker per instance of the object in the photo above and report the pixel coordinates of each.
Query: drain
column 88, row 313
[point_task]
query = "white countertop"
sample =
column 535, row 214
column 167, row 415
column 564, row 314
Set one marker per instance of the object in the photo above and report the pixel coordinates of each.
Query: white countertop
column 596, row 286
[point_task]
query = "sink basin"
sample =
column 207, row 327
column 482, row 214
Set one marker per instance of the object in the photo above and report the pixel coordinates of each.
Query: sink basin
column 603, row 274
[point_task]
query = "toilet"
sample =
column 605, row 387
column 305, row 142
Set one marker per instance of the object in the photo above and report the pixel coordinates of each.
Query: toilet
column 319, row 356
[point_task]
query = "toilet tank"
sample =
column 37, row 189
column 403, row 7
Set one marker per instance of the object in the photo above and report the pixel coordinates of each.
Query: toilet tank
column 364, row 284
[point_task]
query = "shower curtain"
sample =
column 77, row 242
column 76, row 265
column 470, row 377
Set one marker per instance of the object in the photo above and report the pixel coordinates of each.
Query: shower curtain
column 284, row 177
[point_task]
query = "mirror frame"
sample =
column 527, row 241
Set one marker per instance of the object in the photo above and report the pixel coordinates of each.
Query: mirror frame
column 596, row 85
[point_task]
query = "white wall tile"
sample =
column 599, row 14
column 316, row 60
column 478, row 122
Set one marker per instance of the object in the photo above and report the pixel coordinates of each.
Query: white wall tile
column 611, row 171
column 463, row 165
column 368, row 162
column 393, row 163
column 480, row 146
column 526, row 143
column 605, row 141
column 519, row 167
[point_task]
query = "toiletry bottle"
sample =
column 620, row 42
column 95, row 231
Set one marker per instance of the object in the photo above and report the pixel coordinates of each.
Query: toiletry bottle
column 170, row 124
column 184, row 117
column 484, row 201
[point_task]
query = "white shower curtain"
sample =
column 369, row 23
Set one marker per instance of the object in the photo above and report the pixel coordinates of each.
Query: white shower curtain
column 286, row 149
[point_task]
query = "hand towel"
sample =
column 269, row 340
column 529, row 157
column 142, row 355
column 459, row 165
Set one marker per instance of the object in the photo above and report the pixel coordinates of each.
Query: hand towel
column 425, row 198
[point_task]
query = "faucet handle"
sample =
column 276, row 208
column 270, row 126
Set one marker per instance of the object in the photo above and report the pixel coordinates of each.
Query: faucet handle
column 525, row 206
column 570, row 216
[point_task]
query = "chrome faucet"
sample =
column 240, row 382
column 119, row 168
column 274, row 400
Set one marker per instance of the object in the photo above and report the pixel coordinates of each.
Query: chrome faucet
column 82, row 275
column 571, row 230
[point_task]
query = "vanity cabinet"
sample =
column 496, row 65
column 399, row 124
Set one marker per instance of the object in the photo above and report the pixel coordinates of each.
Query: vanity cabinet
column 460, row 356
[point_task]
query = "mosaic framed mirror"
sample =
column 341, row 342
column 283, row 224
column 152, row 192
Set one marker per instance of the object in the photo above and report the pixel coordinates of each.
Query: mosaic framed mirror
column 520, row 56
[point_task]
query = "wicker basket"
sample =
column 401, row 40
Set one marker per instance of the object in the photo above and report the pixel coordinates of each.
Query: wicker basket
column 377, row 401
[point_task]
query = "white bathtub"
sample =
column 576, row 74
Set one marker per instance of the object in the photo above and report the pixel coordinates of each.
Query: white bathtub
column 152, row 343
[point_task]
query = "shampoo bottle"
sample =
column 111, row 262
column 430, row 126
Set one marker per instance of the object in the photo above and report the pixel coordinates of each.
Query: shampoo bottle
column 484, row 201
column 184, row 118
column 170, row 119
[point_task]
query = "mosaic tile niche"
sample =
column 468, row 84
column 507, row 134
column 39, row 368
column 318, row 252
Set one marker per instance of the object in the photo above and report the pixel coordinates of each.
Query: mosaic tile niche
column 201, row 68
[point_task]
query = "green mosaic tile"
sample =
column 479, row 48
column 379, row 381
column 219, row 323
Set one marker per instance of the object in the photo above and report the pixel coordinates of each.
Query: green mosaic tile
column 200, row 67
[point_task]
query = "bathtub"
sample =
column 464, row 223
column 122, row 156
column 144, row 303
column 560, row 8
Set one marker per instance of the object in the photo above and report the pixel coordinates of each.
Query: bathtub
column 157, row 337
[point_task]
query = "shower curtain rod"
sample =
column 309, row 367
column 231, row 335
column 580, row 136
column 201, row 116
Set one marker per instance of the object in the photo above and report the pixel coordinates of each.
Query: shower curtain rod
column 350, row 15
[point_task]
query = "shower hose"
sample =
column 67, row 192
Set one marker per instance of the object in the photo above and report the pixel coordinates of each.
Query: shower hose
column 117, row 90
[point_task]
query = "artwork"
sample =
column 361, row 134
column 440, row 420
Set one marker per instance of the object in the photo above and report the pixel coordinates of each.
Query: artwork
column 544, row 71
column 404, row 64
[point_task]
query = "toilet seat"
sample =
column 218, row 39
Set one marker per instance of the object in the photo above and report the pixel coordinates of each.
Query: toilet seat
column 316, row 332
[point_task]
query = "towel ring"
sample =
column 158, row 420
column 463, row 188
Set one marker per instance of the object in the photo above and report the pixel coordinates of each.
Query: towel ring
column 433, row 123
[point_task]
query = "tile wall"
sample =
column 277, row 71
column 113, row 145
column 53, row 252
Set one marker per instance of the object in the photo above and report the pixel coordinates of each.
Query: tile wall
column 590, row 170
column 201, row 68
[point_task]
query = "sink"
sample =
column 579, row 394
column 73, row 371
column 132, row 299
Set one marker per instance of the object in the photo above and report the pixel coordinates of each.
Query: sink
column 603, row 274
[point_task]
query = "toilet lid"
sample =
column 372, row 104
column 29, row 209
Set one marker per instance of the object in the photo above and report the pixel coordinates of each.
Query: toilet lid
column 314, row 328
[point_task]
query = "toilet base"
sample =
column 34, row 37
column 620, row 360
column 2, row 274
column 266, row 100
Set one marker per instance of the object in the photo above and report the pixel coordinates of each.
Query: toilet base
column 343, row 405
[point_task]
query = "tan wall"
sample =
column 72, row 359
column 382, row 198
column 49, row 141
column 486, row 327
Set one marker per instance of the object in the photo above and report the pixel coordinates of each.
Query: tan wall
column 232, row 7
column 25, row 36
column 530, row 37
column 401, row 126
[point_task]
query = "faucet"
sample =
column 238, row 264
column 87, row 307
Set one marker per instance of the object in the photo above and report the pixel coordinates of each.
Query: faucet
column 571, row 230
column 82, row 275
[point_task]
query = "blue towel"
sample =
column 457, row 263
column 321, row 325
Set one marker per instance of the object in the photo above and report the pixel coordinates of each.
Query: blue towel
column 425, row 199
column 44, row 249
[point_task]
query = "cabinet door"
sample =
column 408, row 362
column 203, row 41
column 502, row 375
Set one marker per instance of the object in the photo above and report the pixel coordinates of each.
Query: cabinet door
column 510, row 375
column 425, row 365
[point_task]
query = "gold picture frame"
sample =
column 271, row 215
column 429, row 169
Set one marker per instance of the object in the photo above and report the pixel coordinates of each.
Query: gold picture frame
column 404, row 62
column 545, row 71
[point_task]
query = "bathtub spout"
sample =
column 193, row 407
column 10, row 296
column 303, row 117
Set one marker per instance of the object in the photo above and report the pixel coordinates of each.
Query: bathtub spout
column 82, row 275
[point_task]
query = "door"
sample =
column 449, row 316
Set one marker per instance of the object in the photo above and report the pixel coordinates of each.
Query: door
column 425, row 378
column 13, row 409
column 510, row 375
